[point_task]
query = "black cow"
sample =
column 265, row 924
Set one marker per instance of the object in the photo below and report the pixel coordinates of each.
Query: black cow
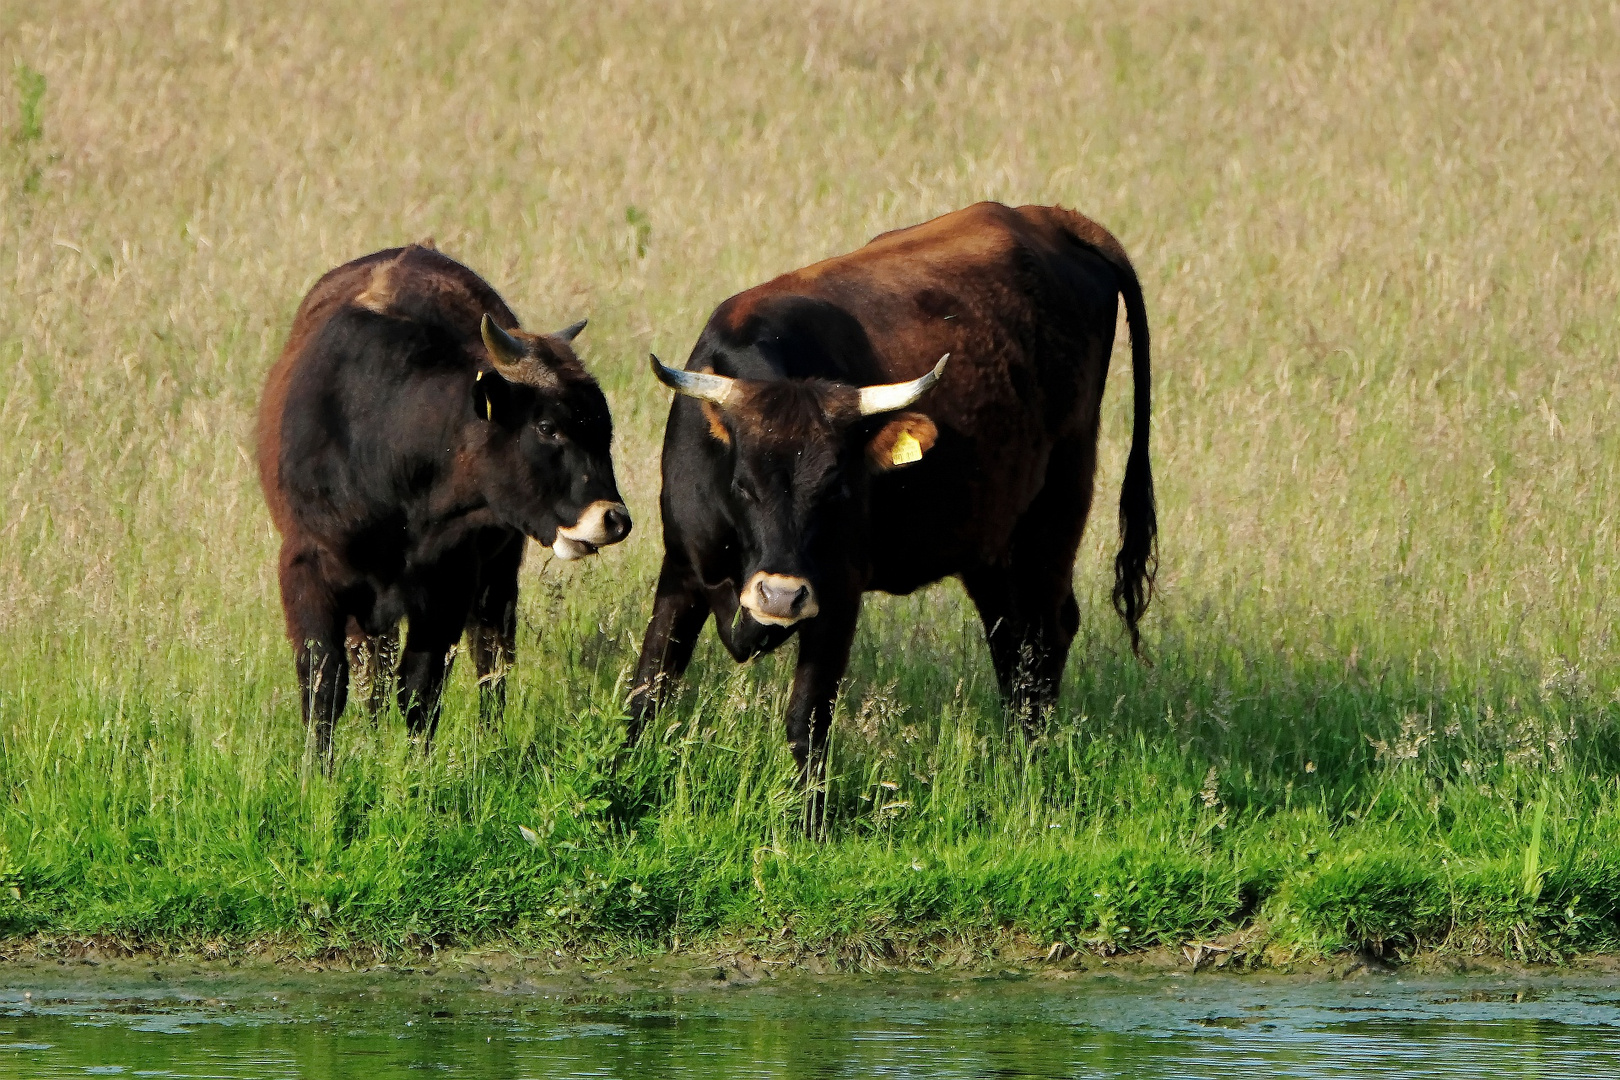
column 410, row 437
column 795, row 479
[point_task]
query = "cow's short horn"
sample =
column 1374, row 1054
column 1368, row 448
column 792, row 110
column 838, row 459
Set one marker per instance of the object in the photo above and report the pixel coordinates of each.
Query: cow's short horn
column 569, row 333
column 891, row 396
column 703, row 385
column 504, row 349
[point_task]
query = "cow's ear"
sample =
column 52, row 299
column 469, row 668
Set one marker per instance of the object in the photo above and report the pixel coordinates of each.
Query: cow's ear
column 904, row 439
column 494, row 399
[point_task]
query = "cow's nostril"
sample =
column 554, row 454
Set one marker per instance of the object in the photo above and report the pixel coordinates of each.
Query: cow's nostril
column 618, row 524
column 799, row 596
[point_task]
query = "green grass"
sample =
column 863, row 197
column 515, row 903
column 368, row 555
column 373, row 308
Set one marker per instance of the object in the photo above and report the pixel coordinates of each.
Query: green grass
column 1379, row 246
column 1218, row 790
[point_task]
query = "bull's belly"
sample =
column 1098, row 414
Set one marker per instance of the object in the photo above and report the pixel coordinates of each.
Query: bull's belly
column 904, row 578
column 927, row 532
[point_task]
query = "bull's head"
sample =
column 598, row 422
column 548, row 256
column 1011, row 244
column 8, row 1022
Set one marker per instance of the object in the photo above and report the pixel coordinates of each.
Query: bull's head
column 800, row 454
column 549, row 469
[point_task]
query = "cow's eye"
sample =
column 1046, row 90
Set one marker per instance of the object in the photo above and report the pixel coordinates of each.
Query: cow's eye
column 745, row 491
column 547, row 429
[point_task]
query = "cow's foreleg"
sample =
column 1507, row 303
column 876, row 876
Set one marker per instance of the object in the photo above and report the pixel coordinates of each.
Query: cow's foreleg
column 678, row 615
column 315, row 626
column 492, row 629
column 423, row 666
column 824, row 643
column 372, row 659
column 435, row 626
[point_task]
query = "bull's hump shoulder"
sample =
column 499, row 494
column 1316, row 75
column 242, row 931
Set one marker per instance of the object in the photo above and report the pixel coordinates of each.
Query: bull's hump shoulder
column 378, row 295
column 421, row 274
column 733, row 315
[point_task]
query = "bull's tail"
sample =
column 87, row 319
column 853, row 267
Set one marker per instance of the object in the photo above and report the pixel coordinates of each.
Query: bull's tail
column 1138, row 560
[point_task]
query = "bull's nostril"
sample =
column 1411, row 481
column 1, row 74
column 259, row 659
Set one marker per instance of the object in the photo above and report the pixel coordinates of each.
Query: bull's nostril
column 799, row 596
column 618, row 524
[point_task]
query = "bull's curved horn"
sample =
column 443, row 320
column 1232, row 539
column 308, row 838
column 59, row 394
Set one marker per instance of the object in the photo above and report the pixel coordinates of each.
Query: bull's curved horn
column 703, row 385
column 569, row 333
column 505, row 350
column 891, row 396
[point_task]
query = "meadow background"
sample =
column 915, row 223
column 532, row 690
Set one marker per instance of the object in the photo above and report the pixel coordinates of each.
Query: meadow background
column 1380, row 245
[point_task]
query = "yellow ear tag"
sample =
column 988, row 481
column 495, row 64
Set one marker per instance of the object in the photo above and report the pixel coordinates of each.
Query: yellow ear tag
column 489, row 409
column 906, row 449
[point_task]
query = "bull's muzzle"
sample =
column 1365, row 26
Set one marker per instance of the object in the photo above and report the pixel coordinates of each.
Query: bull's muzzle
column 600, row 524
column 778, row 599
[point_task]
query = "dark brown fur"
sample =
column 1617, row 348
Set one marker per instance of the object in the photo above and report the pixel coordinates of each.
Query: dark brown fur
column 403, row 472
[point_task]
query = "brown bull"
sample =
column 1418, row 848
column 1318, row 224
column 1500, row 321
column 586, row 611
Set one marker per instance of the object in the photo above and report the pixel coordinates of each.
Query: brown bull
column 796, row 475
column 410, row 437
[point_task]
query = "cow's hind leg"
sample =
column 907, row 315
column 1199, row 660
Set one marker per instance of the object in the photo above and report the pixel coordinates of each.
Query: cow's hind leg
column 679, row 612
column 1027, row 604
column 1029, row 632
column 492, row 628
column 315, row 626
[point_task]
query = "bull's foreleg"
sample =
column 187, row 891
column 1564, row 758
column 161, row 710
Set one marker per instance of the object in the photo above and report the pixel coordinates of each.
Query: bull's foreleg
column 435, row 625
column 678, row 615
column 372, row 659
column 492, row 628
column 315, row 626
column 824, row 644
column 423, row 667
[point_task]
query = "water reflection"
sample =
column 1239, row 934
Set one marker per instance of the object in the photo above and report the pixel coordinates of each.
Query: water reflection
column 901, row 1027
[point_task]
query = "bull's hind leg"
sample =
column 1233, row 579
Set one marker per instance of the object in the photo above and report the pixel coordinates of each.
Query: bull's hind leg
column 1029, row 628
column 1027, row 604
column 315, row 626
column 492, row 628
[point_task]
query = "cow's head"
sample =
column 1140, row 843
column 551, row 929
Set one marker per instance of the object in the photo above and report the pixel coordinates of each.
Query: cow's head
column 800, row 454
column 547, row 468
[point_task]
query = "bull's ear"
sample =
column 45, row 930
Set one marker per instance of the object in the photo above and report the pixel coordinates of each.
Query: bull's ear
column 493, row 399
column 904, row 439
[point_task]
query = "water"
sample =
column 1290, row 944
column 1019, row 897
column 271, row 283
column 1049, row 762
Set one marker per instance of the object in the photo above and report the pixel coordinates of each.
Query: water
column 269, row 1025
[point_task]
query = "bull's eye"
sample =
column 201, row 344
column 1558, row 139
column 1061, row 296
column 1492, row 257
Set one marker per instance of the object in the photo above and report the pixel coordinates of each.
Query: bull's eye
column 547, row 429
column 745, row 491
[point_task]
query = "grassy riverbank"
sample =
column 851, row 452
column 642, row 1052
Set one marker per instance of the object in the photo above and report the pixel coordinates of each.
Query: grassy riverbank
column 1380, row 250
